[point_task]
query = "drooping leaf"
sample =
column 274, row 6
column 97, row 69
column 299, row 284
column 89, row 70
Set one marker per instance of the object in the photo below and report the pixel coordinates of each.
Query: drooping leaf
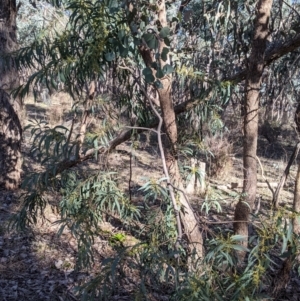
column 167, row 69
column 150, row 40
column 164, row 54
column 147, row 72
column 167, row 41
column 164, row 32
column 109, row 56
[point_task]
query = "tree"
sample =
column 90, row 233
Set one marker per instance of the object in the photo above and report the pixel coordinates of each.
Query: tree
column 151, row 44
column 261, row 56
column 164, row 80
column 10, row 126
column 256, row 65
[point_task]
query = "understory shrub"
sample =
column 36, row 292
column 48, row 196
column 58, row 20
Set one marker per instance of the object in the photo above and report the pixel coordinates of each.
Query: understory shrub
column 153, row 268
column 219, row 157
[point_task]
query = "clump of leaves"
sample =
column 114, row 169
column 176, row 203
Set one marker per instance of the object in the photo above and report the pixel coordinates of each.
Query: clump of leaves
column 86, row 203
column 117, row 239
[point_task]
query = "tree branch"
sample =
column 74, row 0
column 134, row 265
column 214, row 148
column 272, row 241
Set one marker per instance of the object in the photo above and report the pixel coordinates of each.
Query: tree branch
column 183, row 4
column 125, row 135
column 271, row 55
column 284, row 176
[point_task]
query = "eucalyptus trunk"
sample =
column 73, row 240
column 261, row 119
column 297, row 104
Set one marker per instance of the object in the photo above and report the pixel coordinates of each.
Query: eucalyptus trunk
column 296, row 203
column 165, row 102
column 10, row 126
column 256, row 65
column 189, row 221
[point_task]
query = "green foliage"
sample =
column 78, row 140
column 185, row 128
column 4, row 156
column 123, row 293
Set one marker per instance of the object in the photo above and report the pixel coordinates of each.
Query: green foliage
column 153, row 267
column 100, row 42
column 153, row 189
column 160, row 218
column 117, row 239
column 75, row 54
column 84, row 205
column 195, row 173
column 211, row 204
column 219, row 276
column 38, row 21
column 49, row 145
column 224, row 278
column 33, row 207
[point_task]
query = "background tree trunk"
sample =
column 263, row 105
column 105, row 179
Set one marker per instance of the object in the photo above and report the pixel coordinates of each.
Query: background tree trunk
column 296, row 203
column 10, row 126
column 251, row 104
column 283, row 276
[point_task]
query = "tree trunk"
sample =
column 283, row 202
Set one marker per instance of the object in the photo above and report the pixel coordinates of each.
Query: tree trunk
column 251, row 105
column 10, row 126
column 189, row 221
column 188, row 218
column 296, row 204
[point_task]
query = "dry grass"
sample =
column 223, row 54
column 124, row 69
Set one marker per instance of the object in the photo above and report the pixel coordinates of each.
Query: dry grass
column 61, row 105
column 220, row 163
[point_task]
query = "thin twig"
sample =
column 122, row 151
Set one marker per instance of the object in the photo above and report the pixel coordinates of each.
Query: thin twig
column 285, row 175
column 166, row 172
column 130, row 176
column 263, row 176
column 141, row 128
column 162, row 155
column 291, row 7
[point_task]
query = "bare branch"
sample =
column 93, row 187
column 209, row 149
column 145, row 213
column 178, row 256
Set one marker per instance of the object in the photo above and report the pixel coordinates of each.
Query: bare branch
column 165, row 168
column 271, row 55
column 263, row 176
column 285, row 175
column 291, row 7
column 183, row 4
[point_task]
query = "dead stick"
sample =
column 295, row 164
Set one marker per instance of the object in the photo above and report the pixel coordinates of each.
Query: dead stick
column 263, row 176
column 285, row 175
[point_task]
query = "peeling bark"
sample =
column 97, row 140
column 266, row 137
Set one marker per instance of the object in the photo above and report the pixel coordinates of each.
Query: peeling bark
column 10, row 144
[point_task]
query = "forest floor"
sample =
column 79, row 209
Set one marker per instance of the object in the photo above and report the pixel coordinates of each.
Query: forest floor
column 37, row 265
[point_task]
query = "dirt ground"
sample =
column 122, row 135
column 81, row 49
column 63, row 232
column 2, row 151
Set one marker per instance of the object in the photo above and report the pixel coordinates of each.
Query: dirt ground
column 37, row 265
